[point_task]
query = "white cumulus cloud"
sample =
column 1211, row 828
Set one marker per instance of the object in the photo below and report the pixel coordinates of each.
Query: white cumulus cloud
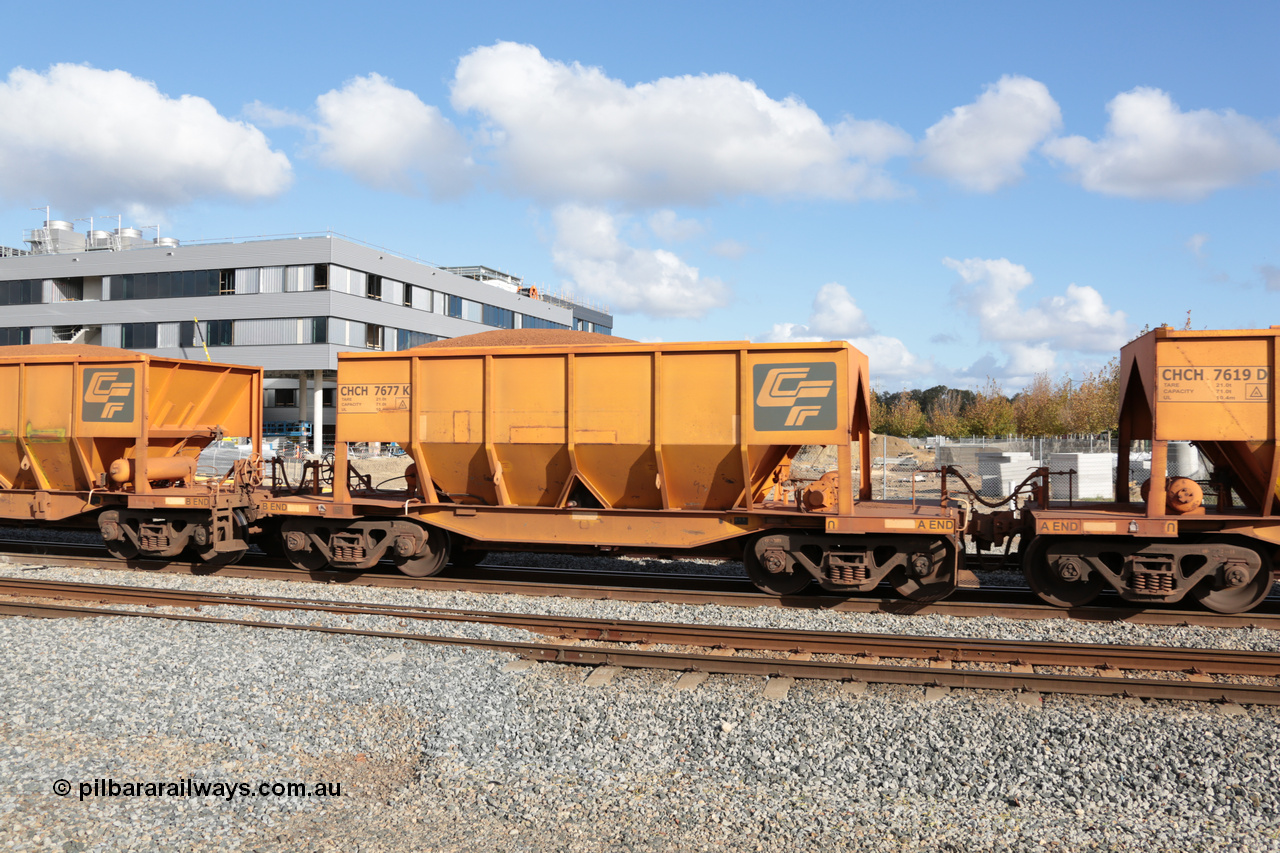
column 836, row 316
column 666, row 225
column 981, row 146
column 388, row 138
column 590, row 252
column 1152, row 149
column 1196, row 243
column 731, row 249
column 564, row 132
column 84, row 138
column 1077, row 320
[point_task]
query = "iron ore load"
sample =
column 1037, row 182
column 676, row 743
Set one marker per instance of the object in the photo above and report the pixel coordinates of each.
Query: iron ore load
column 559, row 441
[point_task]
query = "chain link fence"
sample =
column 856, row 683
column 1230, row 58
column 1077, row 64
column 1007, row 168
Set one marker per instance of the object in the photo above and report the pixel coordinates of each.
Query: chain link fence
column 1081, row 468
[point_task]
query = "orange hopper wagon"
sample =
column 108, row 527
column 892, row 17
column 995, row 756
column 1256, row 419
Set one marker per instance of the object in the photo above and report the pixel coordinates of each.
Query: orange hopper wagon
column 96, row 434
column 614, row 446
column 1214, row 540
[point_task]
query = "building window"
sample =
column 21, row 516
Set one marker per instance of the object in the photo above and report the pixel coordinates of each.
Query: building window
column 373, row 336
column 138, row 335
column 226, row 282
column 68, row 289
column 17, row 336
column 27, row 292
column 326, row 398
column 502, row 318
column 373, row 286
column 220, row 333
column 164, row 284
column 406, row 339
column 530, row 322
column 283, row 398
column 321, row 278
column 454, row 306
column 319, row 330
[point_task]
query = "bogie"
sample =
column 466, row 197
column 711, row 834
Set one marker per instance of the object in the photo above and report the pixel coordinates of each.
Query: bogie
column 1226, row 574
column 131, row 534
column 918, row 567
column 418, row 550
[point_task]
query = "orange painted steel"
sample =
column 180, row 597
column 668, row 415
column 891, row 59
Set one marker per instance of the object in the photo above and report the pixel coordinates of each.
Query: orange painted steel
column 639, row 426
column 610, row 441
column 1215, row 388
column 69, row 414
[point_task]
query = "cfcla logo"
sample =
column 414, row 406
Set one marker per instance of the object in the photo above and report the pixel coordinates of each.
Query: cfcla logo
column 112, row 391
column 795, row 387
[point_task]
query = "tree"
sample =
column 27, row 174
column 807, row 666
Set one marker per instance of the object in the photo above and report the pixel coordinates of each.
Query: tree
column 907, row 417
column 991, row 413
column 1040, row 408
column 946, row 415
column 1093, row 404
column 879, row 412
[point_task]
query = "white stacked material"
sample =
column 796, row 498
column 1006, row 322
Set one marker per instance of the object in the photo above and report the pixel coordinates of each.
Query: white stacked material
column 1002, row 472
column 1093, row 479
column 963, row 456
column 1185, row 461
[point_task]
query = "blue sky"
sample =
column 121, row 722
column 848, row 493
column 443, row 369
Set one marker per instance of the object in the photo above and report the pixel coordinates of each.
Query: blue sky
column 963, row 190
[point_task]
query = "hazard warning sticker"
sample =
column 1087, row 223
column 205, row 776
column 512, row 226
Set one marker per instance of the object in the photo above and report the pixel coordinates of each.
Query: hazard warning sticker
column 1225, row 384
column 372, row 399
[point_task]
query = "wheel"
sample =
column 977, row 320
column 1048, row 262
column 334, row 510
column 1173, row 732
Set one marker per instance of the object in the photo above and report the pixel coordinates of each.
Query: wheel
column 122, row 549
column 1236, row 599
column 1048, row 582
column 788, row 581
column 114, row 537
column 929, row 587
column 296, row 540
column 431, row 560
column 310, row 561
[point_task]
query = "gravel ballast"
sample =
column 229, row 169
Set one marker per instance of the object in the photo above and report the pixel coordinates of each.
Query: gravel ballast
column 442, row 748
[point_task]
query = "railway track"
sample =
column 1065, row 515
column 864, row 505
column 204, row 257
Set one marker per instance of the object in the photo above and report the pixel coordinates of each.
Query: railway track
column 637, row 586
column 854, row 658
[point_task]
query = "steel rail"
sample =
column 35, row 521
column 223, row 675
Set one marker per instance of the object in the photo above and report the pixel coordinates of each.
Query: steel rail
column 1244, row 694
column 937, row 649
column 965, row 603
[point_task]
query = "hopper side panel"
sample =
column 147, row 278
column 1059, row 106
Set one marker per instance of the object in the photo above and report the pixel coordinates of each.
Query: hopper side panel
column 613, row 427
column 449, row 405
column 46, row 424
column 699, row 428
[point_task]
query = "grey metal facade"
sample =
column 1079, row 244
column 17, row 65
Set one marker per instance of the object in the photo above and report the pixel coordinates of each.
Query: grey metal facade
column 249, row 259
column 261, row 305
